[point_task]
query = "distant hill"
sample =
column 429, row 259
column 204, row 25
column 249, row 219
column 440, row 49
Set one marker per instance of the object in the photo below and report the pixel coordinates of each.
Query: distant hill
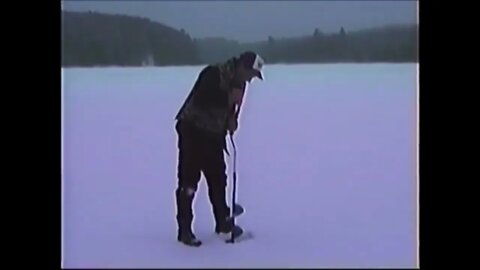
column 217, row 49
column 94, row 39
column 394, row 43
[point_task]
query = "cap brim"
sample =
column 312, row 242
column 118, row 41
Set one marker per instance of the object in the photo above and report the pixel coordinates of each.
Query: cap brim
column 259, row 75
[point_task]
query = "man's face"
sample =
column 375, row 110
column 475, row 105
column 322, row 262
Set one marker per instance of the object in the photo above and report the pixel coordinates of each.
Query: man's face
column 246, row 75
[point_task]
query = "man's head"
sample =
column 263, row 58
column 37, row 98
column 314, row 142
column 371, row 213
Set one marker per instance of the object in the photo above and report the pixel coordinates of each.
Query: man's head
column 250, row 66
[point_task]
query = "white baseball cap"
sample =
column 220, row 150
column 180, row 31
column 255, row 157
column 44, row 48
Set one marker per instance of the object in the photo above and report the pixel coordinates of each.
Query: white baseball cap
column 253, row 61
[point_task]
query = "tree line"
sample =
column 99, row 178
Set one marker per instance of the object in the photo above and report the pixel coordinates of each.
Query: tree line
column 95, row 39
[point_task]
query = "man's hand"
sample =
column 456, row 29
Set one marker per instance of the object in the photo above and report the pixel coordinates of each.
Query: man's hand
column 232, row 125
column 236, row 99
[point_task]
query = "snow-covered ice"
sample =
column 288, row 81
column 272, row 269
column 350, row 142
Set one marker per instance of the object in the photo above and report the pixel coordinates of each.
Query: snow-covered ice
column 327, row 169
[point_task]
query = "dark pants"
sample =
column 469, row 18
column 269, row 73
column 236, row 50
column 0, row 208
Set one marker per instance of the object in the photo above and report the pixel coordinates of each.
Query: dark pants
column 200, row 151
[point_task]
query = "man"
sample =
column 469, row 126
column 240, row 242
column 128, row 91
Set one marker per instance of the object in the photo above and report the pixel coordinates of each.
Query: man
column 209, row 112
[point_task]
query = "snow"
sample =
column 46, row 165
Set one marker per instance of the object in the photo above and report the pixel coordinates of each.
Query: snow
column 326, row 164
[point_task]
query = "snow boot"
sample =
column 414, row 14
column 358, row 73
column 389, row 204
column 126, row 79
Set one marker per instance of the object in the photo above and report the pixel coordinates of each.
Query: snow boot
column 188, row 238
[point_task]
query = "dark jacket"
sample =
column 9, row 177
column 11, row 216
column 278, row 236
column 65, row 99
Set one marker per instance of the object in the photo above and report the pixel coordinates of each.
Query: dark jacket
column 207, row 105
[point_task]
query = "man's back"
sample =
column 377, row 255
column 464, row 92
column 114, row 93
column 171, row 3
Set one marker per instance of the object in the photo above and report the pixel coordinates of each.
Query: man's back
column 207, row 105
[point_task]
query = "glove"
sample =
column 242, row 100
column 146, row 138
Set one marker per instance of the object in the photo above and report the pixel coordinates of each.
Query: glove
column 232, row 125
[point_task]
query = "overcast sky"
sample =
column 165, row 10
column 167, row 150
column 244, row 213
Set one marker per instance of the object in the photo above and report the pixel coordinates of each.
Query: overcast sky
column 256, row 20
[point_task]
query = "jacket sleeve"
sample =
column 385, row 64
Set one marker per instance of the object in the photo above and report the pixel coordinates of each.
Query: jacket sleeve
column 208, row 88
column 237, row 99
column 238, row 84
